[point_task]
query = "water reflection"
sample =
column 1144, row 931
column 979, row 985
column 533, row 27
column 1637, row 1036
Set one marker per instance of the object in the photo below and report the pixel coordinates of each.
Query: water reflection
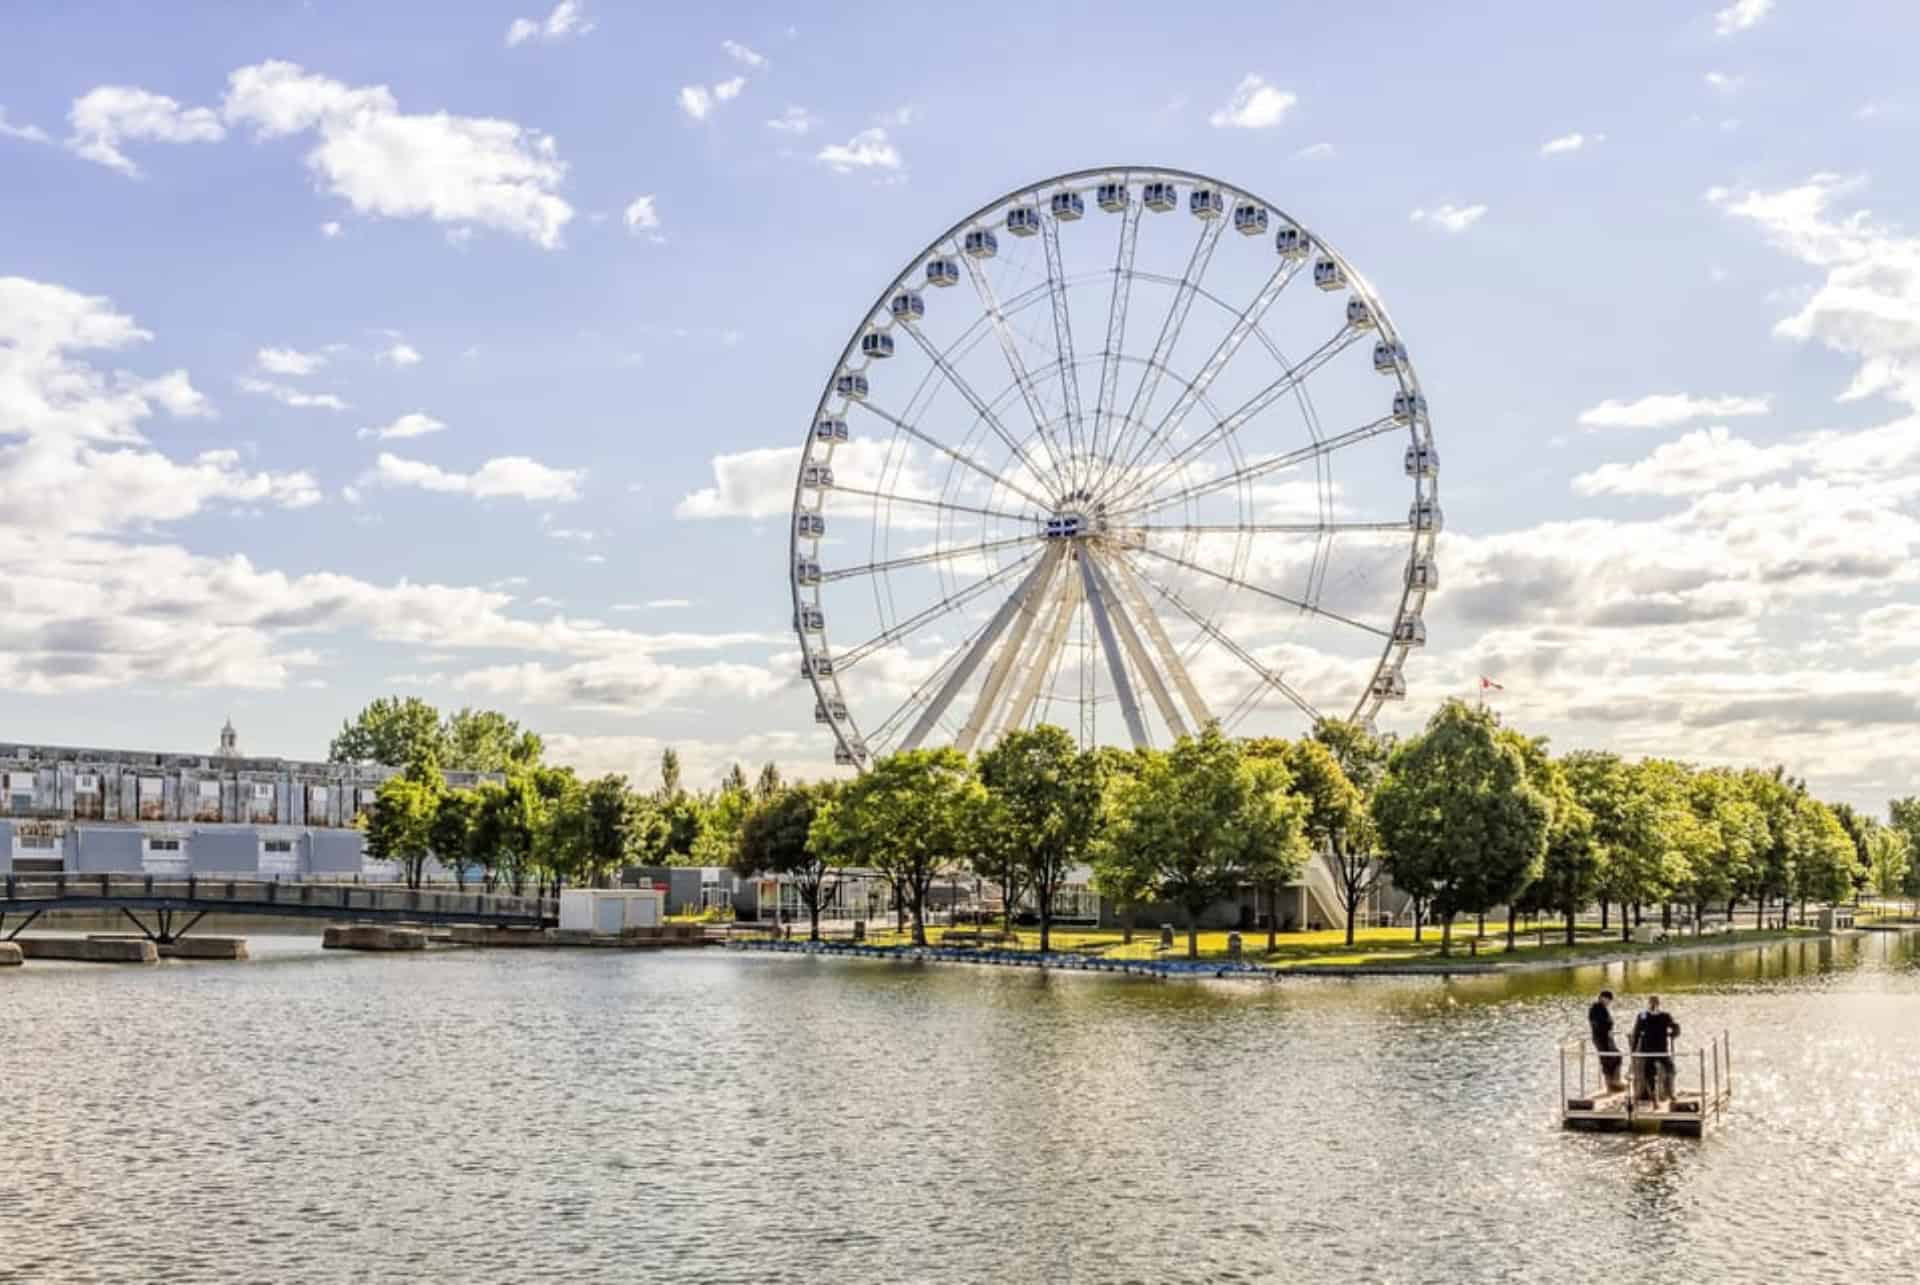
column 531, row 1115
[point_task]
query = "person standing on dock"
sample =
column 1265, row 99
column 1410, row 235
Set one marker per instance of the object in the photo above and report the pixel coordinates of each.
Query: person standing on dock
column 1654, row 1032
column 1600, row 1022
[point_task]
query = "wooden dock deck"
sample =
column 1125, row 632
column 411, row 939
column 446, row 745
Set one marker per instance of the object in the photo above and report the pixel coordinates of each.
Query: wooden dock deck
column 1701, row 1091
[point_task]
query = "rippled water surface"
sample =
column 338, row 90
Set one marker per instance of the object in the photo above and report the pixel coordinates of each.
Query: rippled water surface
column 713, row 1117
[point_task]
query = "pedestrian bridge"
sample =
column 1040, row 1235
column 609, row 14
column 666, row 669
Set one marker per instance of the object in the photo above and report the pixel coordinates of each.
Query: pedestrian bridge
column 165, row 900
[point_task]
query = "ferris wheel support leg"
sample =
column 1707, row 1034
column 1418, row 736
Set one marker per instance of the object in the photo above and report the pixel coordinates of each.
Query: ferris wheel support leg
column 1045, row 654
column 1117, row 608
column 1032, row 602
column 930, row 717
column 1157, row 633
column 1116, row 664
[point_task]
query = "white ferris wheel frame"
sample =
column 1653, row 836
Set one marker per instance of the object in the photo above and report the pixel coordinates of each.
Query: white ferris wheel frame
column 1114, row 592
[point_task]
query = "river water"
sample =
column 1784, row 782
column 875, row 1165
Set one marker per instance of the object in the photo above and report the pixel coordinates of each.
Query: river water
column 716, row 1117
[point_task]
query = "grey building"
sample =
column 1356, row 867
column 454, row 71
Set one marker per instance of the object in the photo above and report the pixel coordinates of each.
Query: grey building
column 93, row 811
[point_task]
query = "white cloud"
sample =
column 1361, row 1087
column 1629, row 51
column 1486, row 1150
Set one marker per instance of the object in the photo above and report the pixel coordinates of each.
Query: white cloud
column 654, row 604
column 111, row 115
column 1255, row 105
column 330, row 229
column 1741, row 15
column 1452, row 218
column 636, row 684
column 290, row 396
column 1721, row 82
column 25, row 133
column 511, row 476
column 1868, row 306
column 1315, row 152
column 1664, row 410
column 399, row 354
column 414, row 424
column 740, row 53
column 1703, row 460
column 695, row 101
column 728, row 90
column 869, row 149
column 567, row 19
column 1570, row 143
column 641, row 218
column 459, row 170
column 759, row 483
column 289, row 361
column 797, row 121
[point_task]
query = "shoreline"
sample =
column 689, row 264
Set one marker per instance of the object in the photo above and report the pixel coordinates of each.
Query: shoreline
column 1243, row 970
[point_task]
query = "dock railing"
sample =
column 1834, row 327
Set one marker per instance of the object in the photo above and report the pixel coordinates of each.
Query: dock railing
column 1695, row 1080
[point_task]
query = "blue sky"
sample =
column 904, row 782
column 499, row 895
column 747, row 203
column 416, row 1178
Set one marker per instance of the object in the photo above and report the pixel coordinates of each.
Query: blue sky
column 405, row 211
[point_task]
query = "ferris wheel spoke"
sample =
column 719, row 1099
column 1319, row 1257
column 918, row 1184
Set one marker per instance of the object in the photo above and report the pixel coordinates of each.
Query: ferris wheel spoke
column 927, row 559
column 920, row 619
column 1291, row 379
column 1261, row 528
column 1017, row 365
column 1299, row 604
column 840, row 488
column 1063, row 347
column 1045, row 506
column 1103, row 625
column 1234, row 649
column 988, row 704
column 980, row 408
column 1117, row 302
column 1261, row 468
column 1170, row 328
column 1150, row 677
column 1121, row 572
column 1193, row 390
column 981, row 645
column 1048, row 651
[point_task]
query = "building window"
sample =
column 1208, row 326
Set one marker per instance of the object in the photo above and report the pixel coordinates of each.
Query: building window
column 278, row 845
column 86, row 783
column 153, row 799
column 19, row 791
column 262, row 793
column 163, row 845
column 37, row 843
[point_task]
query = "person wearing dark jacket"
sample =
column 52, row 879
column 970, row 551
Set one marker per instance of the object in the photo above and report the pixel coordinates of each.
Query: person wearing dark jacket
column 1654, row 1033
column 1600, row 1022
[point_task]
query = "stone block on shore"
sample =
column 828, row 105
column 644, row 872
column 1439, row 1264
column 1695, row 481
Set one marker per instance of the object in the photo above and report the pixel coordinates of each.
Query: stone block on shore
column 372, row 937
column 10, row 956
column 91, row 950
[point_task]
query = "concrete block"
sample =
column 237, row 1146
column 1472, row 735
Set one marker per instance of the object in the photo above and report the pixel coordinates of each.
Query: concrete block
column 91, row 950
column 372, row 937
column 10, row 956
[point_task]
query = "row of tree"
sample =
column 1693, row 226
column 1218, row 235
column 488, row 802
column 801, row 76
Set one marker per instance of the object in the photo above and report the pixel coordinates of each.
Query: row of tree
column 1465, row 817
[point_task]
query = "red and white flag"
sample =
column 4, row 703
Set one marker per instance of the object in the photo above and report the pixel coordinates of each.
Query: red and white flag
column 1488, row 685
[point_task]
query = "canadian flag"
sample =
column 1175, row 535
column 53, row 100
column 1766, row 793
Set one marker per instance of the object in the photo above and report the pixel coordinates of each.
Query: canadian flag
column 1488, row 685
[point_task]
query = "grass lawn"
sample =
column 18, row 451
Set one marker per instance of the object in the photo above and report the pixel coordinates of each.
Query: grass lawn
column 1329, row 947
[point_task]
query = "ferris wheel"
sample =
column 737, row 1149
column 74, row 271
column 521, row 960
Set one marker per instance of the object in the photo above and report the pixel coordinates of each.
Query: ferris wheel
column 1089, row 460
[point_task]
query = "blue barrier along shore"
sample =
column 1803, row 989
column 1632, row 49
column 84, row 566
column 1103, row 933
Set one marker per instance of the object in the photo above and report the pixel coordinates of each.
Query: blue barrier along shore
column 1063, row 962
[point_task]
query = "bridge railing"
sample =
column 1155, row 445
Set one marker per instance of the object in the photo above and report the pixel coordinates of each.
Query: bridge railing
column 255, row 892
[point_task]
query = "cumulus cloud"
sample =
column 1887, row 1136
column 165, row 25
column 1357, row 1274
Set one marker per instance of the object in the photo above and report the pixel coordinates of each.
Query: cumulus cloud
column 1452, row 218
column 1721, row 82
column 288, row 396
column 465, row 171
column 1664, row 410
column 25, row 133
column 567, row 19
column 330, row 229
column 508, row 477
column 414, row 424
column 1315, row 152
column 741, row 54
column 289, row 361
column 1255, row 105
column 399, row 353
column 797, row 121
column 1570, row 143
column 1741, row 15
column 867, row 150
column 1704, row 460
column 106, row 117
column 642, row 219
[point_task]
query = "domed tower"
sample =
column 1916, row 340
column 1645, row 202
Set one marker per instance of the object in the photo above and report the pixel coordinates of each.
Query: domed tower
column 229, row 741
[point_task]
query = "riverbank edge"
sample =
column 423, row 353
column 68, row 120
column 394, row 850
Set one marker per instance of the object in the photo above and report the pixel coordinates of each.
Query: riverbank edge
column 1245, row 971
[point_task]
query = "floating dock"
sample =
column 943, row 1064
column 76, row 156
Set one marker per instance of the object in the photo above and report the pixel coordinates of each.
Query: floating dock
column 1684, row 1092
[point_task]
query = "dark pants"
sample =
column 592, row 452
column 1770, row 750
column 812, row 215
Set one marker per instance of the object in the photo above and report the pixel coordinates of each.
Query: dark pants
column 1654, row 1076
column 1609, row 1066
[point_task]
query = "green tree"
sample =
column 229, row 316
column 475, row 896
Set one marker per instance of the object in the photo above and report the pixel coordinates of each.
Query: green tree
column 603, row 827
column 777, row 839
column 1205, row 820
column 396, row 731
column 507, row 825
column 768, row 783
column 1574, row 867
column 735, row 781
column 1049, row 797
column 994, row 851
column 400, row 825
column 1824, row 855
column 1120, row 872
column 721, row 815
column 1733, row 833
column 485, row 740
column 1337, row 822
column 669, row 773
column 451, row 833
column 1904, row 815
column 1460, row 821
column 1888, row 859
column 907, row 817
